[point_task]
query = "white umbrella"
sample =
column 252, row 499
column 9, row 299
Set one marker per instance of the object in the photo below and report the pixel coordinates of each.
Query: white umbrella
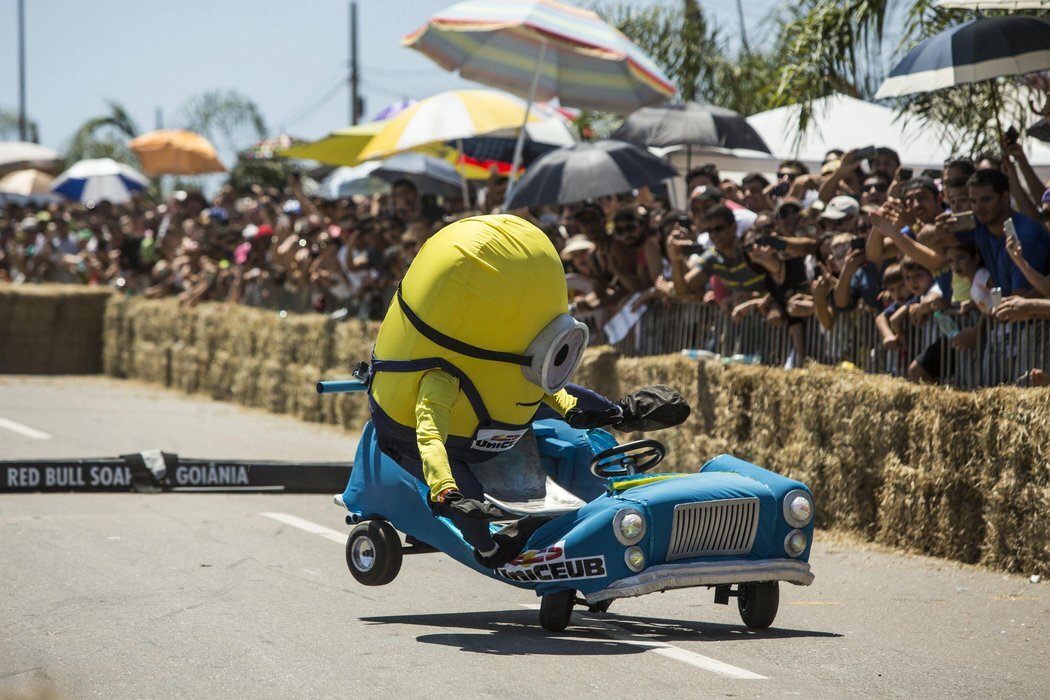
column 18, row 155
column 100, row 179
column 26, row 183
column 349, row 181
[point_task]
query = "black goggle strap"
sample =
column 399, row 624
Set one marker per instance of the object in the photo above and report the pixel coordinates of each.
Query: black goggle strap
column 457, row 346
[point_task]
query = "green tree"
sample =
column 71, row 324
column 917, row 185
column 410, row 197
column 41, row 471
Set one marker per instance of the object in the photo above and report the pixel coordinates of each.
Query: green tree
column 227, row 118
column 9, row 127
column 818, row 48
column 104, row 136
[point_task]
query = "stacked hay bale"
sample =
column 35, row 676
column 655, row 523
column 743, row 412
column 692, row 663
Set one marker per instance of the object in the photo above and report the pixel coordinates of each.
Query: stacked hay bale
column 51, row 328
column 954, row 474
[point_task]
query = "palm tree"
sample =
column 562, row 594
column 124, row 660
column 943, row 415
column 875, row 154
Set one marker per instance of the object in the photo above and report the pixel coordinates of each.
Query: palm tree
column 104, row 136
column 817, row 48
column 9, row 127
column 228, row 119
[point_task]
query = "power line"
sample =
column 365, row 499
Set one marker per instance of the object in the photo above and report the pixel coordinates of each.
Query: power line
column 307, row 111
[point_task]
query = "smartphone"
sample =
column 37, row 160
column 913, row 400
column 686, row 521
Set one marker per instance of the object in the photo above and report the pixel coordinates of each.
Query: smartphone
column 781, row 189
column 964, row 221
column 858, row 243
column 997, row 296
column 1011, row 232
column 1011, row 136
column 904, row 174
column 774, row 242
column 866, row 153
column 685, row 222
column 693, row 249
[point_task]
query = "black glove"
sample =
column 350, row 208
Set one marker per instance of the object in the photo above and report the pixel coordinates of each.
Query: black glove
column 585, row 420
column 469, row 508
column 651, row 408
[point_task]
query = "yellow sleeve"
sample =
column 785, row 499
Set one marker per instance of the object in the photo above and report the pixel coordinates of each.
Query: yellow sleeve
column 437, row 393
column 560, row 402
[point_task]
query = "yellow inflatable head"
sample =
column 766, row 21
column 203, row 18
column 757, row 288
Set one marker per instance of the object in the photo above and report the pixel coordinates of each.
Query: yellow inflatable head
column 483, row 287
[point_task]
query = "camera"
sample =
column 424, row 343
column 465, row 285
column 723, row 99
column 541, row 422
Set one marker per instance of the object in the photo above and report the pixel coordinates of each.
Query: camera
column 904, row 174
column 1011, row 136
column 858, row 243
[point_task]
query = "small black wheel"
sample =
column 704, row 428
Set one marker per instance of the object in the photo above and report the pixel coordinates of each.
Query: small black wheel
column 758, row 603
column 629, row 458
column 556, row 610
column 373, row 553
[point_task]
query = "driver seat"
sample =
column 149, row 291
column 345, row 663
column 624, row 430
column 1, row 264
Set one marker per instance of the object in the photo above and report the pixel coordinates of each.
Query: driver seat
column 516, row 481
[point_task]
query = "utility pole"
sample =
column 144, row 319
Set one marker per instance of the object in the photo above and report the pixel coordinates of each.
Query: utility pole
column 22, row 123
column 159, row 117
column 355, row 101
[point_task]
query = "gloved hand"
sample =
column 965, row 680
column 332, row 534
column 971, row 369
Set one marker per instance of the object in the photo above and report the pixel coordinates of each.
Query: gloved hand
column 470, row 508
column 651, row 408
column 585, row 420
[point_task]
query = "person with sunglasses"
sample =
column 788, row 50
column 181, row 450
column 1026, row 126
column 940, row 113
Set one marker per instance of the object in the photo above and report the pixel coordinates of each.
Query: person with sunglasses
column 634, row 255
column 726, row 260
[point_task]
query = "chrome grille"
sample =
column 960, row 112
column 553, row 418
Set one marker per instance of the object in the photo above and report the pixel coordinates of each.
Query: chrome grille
column 713, row 528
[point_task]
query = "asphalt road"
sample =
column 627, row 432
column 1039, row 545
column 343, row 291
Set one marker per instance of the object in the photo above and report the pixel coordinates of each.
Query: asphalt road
column 247, row 595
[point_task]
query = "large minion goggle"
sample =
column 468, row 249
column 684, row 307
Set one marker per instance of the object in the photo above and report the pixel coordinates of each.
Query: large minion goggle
column 549, row 361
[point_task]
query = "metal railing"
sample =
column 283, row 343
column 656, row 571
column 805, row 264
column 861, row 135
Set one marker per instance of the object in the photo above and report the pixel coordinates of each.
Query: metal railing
column 1002, row 353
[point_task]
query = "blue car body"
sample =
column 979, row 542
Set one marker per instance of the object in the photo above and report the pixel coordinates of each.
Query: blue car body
column 725, row 524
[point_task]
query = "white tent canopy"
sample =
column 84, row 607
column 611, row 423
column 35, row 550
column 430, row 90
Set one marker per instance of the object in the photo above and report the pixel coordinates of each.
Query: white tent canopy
column 844, row 122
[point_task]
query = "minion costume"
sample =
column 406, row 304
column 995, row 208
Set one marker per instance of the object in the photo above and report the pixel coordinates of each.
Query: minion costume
column 475, row 341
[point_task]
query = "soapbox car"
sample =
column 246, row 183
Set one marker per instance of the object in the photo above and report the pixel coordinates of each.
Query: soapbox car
column 611, row 528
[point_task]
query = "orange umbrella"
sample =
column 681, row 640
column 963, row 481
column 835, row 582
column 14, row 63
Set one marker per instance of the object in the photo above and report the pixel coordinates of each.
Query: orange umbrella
column 175, row 152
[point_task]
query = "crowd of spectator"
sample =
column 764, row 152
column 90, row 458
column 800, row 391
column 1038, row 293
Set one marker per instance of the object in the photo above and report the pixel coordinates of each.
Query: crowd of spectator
column 862, row 234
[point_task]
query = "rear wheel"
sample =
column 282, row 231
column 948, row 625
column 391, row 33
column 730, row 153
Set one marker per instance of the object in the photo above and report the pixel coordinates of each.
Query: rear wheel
column 758, row 603
column 556, row 610
column 373, row 553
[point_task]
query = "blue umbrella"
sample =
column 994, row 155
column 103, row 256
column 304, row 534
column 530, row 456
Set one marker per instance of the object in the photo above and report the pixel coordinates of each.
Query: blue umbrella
column 982, row 49
column 100, row 179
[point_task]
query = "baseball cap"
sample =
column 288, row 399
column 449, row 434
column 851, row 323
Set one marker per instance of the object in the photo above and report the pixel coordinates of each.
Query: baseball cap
column 787, row 202
column 292, row 206
column 840, row 207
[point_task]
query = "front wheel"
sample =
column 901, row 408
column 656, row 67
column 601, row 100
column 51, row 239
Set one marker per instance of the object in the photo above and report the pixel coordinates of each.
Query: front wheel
column 373, row 553
column 556, row 610
column 758, row 603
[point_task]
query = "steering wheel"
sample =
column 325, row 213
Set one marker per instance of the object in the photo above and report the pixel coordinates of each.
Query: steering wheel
column 629, row 458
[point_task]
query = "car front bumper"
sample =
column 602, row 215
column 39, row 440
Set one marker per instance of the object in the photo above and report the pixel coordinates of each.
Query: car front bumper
column 691, row 574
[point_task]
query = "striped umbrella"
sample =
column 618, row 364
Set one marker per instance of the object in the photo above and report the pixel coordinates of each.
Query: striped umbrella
column 99, row 179
column 543, row 49
column 982, row 49
column 447, row 116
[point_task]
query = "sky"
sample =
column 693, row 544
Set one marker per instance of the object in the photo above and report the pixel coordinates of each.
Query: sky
column 290, row 58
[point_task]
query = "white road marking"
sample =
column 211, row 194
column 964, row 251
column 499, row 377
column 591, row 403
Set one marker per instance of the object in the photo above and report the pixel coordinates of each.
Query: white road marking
column 313, row 528
column 23, row 430
column 700, row 661
column 662, row 648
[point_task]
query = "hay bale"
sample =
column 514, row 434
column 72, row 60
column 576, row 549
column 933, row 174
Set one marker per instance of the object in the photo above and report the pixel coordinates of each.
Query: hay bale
column 1018, row 532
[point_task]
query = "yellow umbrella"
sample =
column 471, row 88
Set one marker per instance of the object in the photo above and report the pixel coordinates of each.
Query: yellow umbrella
column 446, row 117
column 175, row 152
column 340, row 147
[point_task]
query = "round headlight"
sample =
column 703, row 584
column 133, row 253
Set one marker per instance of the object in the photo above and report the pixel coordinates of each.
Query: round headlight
column 795, row 543
column 629, row 525
column 798, row 508
column 635, row 558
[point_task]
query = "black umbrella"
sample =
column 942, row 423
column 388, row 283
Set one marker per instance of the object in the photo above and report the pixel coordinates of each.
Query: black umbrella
column 586, row 170
column 690, row 124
